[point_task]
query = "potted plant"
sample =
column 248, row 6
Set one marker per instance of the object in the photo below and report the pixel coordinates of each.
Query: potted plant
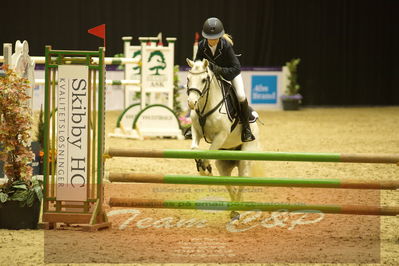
column 292, row 99
column 176, row 91
column 21, row 195
column 2, row 74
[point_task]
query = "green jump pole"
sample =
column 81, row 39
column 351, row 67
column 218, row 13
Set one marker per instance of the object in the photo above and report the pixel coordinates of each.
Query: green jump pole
column 251, row 206
column 255, row 155
column 252, row 181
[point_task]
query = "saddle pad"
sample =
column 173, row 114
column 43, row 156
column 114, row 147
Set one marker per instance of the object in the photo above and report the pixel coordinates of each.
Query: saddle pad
column 232, row 106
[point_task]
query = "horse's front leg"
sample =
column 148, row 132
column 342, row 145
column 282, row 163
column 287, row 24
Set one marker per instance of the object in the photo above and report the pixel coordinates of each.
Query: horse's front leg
column 203, row 166
column 196, row 137
column 217, row 142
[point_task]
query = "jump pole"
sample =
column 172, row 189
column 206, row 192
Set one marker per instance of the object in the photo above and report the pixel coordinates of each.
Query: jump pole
column 254, row 155
column 248, row 206
column 252, row 181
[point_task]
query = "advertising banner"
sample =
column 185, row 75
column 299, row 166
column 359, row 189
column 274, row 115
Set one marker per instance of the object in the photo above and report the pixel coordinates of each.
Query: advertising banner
column 72, row 128
column 264, row 89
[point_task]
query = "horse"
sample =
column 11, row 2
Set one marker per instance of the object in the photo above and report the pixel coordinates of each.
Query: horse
column 208, row 111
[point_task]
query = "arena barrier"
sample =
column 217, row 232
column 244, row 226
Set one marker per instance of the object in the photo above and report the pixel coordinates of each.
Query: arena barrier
column 252, row 206
column 254, row 181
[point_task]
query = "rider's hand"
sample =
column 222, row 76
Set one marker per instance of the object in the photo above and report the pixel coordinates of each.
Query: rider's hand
column 217, row 70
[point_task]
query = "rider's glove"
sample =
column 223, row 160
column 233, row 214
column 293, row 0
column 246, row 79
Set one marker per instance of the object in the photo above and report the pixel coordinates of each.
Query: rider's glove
column 217, row 70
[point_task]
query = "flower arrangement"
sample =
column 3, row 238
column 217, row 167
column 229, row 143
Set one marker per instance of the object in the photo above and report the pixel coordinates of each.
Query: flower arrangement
column 15, row 128
column 185, row 122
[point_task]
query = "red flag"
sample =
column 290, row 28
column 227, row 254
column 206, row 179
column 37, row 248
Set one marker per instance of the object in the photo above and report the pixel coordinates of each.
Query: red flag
column 98, row 31
column 197, row 36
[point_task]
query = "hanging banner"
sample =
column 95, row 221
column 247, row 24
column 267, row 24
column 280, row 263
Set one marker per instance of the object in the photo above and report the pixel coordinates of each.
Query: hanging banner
column 72, row 128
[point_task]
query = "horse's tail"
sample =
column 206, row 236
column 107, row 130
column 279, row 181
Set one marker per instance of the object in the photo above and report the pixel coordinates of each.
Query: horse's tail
column 258, row 169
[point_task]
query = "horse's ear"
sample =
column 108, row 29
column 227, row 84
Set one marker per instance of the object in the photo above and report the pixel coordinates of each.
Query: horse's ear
column 205, row 62
column 18, row 46
column 25, row 47
column 189, row 62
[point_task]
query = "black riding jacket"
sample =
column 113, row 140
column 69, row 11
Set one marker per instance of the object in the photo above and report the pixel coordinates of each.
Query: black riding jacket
column 224, row 57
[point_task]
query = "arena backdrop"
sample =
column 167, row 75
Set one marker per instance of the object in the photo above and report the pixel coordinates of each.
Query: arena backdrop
column 348, row 48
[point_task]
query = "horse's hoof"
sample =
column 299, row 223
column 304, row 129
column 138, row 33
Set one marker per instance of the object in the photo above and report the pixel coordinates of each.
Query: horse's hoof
column 188, row 134
column 209, row 169
column 234, row 216
column 205, row 173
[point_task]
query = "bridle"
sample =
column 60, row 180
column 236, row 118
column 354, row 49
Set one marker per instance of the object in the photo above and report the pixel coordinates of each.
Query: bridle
column 201, row 116
column 207, row 84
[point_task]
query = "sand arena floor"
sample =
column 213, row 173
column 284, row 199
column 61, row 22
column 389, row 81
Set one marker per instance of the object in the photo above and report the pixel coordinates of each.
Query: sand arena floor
column 186, row 236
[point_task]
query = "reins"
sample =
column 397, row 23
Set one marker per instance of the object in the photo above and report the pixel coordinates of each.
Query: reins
column 201, row 116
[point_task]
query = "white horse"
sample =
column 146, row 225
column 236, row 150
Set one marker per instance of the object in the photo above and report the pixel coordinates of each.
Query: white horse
column 211, row 122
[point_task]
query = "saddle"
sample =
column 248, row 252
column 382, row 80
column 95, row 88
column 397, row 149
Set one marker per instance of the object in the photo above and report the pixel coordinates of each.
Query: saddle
column 232, row 105
column 232, row 109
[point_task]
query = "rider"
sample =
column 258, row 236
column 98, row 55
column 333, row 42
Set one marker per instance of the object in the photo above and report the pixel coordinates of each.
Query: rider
column 217, row 47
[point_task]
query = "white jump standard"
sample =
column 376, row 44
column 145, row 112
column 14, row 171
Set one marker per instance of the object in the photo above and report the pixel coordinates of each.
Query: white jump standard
column 153, row 115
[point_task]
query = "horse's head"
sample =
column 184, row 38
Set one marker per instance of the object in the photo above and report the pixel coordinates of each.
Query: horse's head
column 198, row 81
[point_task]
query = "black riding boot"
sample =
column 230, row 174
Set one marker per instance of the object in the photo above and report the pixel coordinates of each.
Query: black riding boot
column 246, row 134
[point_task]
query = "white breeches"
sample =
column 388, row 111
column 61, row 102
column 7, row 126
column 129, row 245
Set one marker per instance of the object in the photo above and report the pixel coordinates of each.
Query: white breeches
column 238, row 85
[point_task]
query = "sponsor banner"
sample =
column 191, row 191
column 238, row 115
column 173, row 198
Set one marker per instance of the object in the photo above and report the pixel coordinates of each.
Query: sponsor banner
column 157, row 118
column 158, row 121
column 157, row 68
column 72, row 129
column 264, row 89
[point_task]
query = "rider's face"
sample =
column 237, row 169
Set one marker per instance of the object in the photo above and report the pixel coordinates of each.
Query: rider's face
column 213, row 42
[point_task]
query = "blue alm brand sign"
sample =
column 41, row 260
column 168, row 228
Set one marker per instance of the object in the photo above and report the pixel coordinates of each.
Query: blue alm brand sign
column 264, row 89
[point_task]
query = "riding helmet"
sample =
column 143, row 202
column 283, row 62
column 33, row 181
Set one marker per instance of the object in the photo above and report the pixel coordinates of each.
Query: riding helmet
column 212, row 29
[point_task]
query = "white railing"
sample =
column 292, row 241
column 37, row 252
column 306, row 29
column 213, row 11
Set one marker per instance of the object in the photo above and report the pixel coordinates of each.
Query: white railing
column 107, row 60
